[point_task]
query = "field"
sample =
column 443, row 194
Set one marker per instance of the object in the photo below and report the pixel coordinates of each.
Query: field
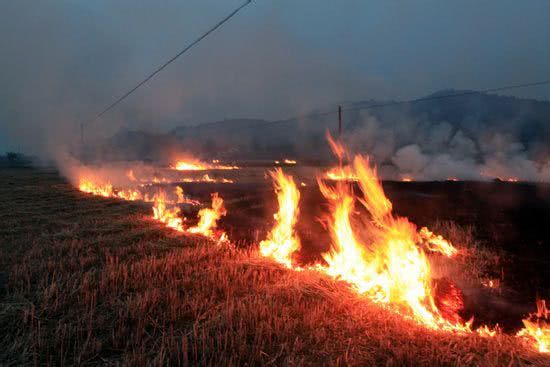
column 87, row 281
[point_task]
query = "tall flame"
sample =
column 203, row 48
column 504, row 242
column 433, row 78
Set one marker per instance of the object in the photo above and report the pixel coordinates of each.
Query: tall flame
column 208, row 217
column 167, row 215
column 282, row 241
column 537, row 329
column 379, row 257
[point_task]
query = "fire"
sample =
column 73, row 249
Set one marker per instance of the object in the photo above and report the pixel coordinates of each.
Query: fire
column 381, row 258
column 537, row 329
column 437, row 243
column 340, row 173
column 406, row 178
column 130, row 175
column 189, row 166
column 377, row 253
column 491, row 283
column 208, row 217
column 289, row 161
column 282, row 241
column 90, row 187
column 167, row 215
column 195, row 165
column 131, row 194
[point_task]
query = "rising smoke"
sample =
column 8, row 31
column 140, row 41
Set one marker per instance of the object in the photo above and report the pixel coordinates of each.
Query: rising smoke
column 64, row 61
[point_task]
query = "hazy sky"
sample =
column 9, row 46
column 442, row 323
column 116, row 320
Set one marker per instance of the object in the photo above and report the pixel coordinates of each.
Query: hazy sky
column 64, row 60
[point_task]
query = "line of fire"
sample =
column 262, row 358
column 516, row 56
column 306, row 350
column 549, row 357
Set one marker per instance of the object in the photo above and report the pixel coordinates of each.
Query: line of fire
column 382, row 257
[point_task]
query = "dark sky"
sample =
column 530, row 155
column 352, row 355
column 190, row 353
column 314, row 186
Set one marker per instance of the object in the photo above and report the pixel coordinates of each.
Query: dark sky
column 64, row 60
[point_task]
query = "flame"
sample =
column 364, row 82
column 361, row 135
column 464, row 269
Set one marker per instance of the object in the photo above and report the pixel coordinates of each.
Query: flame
column 166, row 210
column 130, row 175
column 390, row 267
column 341, row 173
column 282, row 241
column 107, row 190
column 189, row 166
column 537, row 329
column 377, row 253
column 90, row 187
column 437, row 243
column 289, row 161
column 167, row 215
column 196, row 165
column 406, row 178
column 382, row 259
column 208, row 217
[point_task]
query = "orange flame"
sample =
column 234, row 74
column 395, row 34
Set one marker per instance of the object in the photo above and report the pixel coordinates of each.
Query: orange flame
column 340, row 173
column 130, row 175
column 381, row 259
column 196, row 165
column 208, row 218
column 437, row 243
column 537, row 329
column 90, row 187
column 169, row 216
column 377, row 254
column 282, row 241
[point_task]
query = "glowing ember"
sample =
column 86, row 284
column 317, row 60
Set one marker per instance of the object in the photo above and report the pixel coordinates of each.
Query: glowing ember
column 282, row 241
column 491, row 283
column 537, row 329
column 208, row 218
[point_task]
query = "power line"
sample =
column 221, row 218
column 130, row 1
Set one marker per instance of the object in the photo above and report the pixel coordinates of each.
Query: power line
column 416, row 100
column 160, row 68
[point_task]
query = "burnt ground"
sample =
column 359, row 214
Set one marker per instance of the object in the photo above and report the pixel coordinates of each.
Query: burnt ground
column 506, row 217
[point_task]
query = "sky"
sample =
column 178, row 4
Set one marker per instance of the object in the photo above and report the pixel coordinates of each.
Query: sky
column 63, row 61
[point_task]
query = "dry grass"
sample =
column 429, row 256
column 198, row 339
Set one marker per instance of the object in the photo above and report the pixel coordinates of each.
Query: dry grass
column 86, row 280
column 475, row 263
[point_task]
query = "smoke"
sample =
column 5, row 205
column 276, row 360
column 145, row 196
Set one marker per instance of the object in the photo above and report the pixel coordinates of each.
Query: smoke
column 63, row 61
column 476, row 138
